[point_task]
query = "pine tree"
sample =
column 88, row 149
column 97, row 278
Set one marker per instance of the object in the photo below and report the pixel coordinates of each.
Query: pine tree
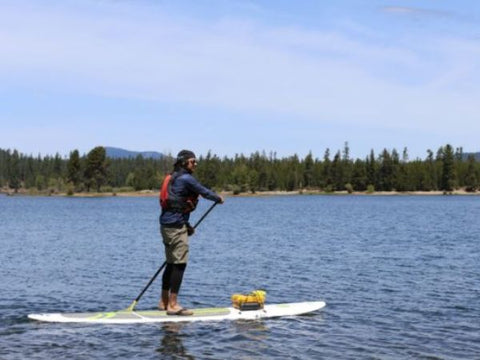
column 57, row 166
column 14, row 180
column 471, row 180
column 371, row 169
column 74, row 171
column 208, row 170
column 29, row 172
column 96, row 168
column 402, row 180
column 327, row 182
column 338, row 172
column 359, row 176
column 347, row 164
column 430, row 180
column 448, row 169
column 386, row 171
column 308, row 179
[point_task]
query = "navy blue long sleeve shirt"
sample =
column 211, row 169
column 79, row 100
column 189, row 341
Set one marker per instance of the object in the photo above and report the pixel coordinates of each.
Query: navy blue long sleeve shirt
column 185, row 185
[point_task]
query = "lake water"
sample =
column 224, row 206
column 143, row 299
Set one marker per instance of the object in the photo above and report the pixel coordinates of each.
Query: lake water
column 400, row 276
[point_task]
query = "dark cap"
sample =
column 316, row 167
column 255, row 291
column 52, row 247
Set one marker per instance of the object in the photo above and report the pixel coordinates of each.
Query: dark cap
column 184, row 155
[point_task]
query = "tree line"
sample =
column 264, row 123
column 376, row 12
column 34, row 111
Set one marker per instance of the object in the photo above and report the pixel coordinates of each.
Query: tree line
column 446, row 170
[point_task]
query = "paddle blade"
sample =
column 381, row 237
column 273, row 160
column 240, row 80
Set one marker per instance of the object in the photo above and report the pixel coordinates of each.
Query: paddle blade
column 132, row 306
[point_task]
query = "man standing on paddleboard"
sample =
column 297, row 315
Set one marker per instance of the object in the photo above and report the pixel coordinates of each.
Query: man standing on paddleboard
column 178, row 198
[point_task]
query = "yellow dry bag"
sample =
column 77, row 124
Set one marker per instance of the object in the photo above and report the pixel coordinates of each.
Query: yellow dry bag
column 253, row 301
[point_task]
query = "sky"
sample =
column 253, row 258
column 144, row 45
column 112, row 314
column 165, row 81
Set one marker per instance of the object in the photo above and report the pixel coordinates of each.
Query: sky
column 239, row 76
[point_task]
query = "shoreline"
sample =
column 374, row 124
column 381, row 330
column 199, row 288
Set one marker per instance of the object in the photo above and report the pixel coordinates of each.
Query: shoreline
column 155, row 193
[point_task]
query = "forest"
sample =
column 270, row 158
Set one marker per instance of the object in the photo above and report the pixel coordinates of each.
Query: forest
column 445, row 170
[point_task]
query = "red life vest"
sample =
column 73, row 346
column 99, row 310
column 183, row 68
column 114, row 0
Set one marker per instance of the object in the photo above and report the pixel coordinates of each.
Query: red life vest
column 173, row 202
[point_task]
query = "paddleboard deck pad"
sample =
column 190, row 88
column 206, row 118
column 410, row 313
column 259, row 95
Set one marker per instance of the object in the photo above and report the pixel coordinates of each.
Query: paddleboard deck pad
column 206, row 314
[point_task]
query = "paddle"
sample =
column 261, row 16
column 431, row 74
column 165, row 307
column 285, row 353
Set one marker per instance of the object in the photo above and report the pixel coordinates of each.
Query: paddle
column 134, row 303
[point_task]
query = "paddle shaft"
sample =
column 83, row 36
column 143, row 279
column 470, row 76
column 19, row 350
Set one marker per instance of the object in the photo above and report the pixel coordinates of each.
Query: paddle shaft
column 131, row 307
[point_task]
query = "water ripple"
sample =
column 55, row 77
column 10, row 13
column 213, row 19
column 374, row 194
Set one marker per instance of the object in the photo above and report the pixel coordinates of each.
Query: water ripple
column 400, row 276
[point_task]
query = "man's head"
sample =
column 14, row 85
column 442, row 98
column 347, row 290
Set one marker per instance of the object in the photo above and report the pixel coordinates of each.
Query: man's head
column 186, row 159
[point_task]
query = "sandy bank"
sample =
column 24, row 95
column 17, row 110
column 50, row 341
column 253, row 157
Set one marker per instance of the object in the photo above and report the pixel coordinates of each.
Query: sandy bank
column 154, row 193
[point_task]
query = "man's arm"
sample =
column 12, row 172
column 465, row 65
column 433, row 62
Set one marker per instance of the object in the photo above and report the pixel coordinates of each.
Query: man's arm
column 195, row 186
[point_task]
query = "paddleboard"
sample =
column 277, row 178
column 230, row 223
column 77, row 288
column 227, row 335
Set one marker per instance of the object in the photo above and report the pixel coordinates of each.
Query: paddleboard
column 205, row 314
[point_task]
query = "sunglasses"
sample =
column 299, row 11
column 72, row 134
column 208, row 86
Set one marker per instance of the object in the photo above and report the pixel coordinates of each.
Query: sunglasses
column 192, row 161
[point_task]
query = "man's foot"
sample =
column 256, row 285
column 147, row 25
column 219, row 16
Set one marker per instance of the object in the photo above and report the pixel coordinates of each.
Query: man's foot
column 161, row 306
column 180, row 312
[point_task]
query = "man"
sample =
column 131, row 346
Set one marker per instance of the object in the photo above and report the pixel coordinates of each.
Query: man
column 178, row 198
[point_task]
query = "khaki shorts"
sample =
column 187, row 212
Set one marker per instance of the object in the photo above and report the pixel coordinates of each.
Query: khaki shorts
column 176, row 244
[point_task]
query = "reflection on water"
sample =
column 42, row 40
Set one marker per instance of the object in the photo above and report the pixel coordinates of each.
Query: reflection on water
column 256, row 330
column 171, row 344
column 219, row 337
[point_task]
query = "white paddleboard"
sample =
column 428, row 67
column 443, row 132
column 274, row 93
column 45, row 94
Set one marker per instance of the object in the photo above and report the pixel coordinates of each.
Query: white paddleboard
column 206, row 314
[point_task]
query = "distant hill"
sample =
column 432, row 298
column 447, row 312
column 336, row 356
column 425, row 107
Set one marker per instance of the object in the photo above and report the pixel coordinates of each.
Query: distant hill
column 477, row 156
column 117, row 153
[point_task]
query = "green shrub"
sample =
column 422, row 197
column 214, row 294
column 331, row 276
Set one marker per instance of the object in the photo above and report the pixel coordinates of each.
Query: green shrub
column 349, row 188
column 106, row 188
column 70, row 189
column 40, row 182
column 33, row 191
column 124, row 189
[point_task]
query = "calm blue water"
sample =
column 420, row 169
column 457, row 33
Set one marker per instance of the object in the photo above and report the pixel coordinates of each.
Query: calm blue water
column 400, row 275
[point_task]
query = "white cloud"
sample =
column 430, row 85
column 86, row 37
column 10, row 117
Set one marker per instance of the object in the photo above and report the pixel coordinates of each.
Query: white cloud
column 124, row 50
column 407, row 10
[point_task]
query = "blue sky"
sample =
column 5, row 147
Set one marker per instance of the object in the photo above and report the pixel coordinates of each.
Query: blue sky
column 239, row 76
